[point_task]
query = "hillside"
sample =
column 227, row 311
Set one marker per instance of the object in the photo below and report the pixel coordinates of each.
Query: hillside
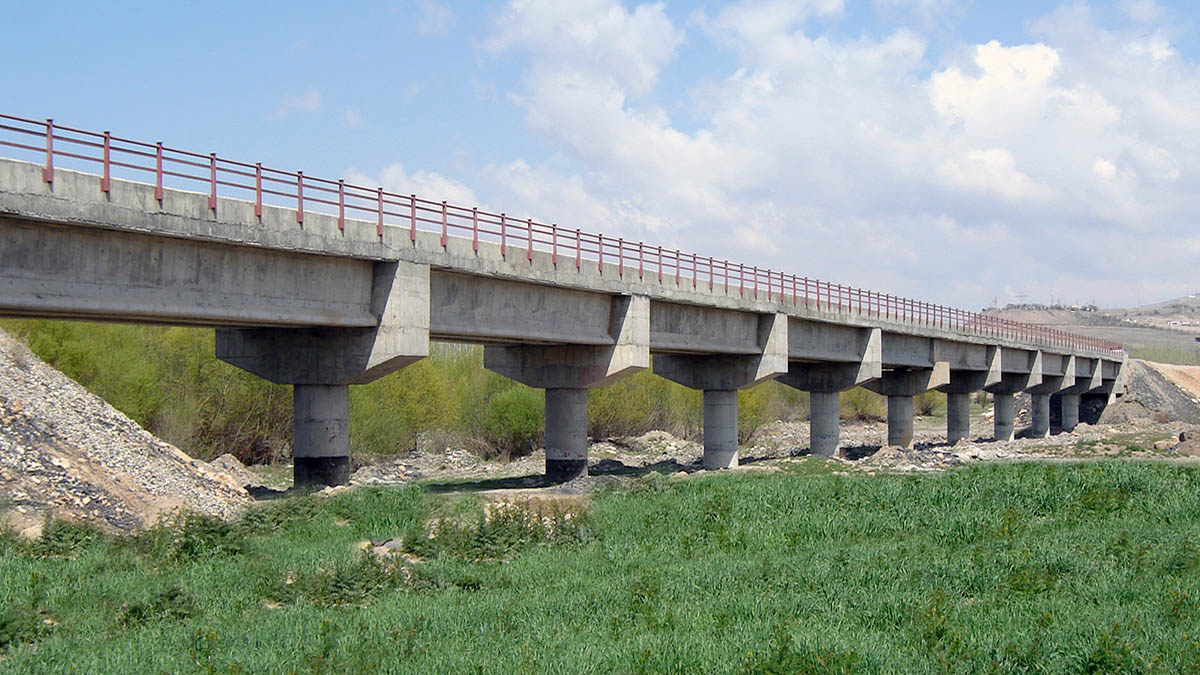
column 1164, row 331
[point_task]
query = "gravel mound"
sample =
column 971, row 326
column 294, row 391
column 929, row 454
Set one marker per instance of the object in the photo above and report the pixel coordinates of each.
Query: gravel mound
column 65, row 453
column 1154, row 392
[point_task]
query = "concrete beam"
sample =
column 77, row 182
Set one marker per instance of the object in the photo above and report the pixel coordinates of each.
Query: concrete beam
column 472, row 308
column 98, row 275
column 575, row 366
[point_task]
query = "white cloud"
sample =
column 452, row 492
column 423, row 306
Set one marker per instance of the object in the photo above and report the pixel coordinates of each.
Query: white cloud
column 351, row 118
column 1067, row 164
column 599, row 40
column 308, row 102
column 425, row 184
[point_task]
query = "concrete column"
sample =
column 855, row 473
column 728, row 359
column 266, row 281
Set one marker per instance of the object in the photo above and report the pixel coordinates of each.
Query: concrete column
column 1041, row 416
column 566, row 434
column 720, row 429
column 1070, row 411
column 1004, row 408
column 824, row 418
column 900, row 421
column 958, row 417
column 321, row 435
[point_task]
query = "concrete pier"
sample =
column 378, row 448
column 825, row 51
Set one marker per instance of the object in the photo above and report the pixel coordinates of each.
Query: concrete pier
column 824, row 417
column 567, row 371
column 321, row 435
column 958, row 417
column 1040, row 413
column 900, row 421
column 900, row 386
column 720, row 376
column 720, row 429
column 1070, row 411
column 1004, row 408
column 566, row 434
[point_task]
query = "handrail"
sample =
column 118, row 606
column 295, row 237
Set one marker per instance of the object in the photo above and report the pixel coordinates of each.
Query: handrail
column 666, row 266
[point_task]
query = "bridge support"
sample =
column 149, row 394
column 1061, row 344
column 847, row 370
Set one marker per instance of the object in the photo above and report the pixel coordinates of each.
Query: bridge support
column 824, row 382
column 320, row 363
column 720, row 377
column 958, row 392
column 1069, row 417
column 566, row 434
column 1004, row 409
column 1021, row 369
column 1052, row 383
column 900, row 386
column 566, row 372
column 321, row 434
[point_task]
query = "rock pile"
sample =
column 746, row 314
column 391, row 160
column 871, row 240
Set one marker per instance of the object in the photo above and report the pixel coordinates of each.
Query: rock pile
column 65, row 453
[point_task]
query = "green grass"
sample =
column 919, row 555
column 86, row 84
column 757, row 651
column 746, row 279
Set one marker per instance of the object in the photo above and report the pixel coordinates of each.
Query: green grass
column 999, row 568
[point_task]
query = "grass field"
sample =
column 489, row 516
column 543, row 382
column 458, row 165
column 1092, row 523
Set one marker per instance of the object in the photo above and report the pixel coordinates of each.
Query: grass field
column 1090, row 567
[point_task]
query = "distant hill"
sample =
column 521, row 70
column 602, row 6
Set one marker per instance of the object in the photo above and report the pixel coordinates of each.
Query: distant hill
column 1164, row 331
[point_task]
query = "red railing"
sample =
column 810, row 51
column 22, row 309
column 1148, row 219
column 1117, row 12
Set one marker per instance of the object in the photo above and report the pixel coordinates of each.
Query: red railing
column 522, row 237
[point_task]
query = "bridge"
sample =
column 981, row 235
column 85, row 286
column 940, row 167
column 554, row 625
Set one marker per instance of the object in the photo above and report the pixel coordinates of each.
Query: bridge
column 322, row 284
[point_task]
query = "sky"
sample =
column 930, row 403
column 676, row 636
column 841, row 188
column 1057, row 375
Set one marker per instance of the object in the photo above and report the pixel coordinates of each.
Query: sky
column 965, row 153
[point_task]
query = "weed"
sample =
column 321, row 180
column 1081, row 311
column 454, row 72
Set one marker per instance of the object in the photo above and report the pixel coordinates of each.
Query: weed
column 784, row 657
column 62, row 539
column 171, row 603
column 184, row 536
column 23, row 625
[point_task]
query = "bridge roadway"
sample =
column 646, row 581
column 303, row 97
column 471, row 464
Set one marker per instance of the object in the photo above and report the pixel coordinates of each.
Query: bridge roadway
column 330, row 302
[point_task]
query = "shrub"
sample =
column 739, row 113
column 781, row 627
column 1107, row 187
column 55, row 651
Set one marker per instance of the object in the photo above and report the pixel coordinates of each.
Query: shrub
column 862, row 405
column 928, row 403
column 513, row 420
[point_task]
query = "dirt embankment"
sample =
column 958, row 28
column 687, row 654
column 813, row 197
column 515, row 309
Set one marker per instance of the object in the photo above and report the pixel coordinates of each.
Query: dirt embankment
column 1159, row 392
column 65, row 453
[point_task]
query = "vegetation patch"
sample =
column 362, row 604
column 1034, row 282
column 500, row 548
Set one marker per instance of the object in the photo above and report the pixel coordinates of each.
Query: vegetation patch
column 1084, row 567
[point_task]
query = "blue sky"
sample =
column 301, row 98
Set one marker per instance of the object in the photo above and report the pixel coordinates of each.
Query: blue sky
column 954, row 151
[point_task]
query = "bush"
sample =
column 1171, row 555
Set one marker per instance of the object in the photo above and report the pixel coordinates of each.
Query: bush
column 928, row 403
column 514, row 419
column 862, row 405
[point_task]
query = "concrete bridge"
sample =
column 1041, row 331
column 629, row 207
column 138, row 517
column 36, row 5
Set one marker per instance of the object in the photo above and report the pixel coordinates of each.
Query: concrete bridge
column 321, row 285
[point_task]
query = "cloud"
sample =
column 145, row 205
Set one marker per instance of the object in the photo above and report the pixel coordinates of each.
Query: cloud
column 351, row 118
column 1038, row 167
column 308, row 102
column 425, row 184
